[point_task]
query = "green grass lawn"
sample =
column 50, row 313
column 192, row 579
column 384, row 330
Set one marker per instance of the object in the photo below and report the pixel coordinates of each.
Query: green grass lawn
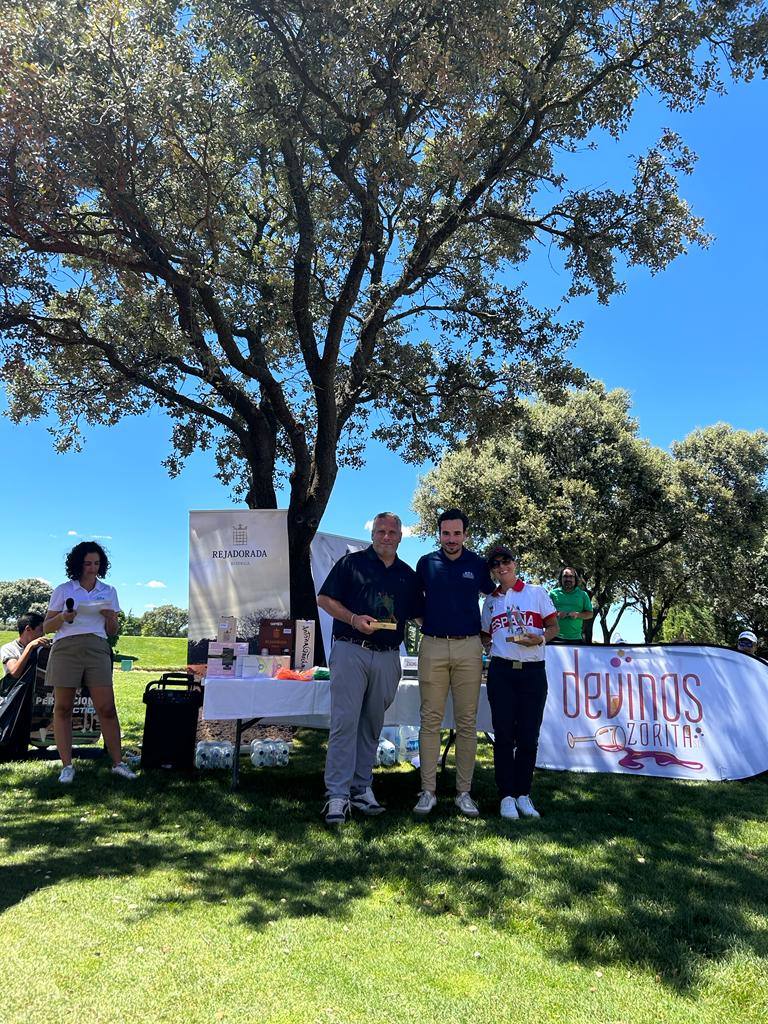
column 153, row 652
column 174, row 899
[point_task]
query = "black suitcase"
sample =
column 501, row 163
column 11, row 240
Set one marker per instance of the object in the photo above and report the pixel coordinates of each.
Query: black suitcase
column 170, row 721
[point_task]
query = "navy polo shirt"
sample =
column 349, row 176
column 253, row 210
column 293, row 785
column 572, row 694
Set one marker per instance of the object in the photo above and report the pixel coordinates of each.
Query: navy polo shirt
column 366, row 586
column 451, row 590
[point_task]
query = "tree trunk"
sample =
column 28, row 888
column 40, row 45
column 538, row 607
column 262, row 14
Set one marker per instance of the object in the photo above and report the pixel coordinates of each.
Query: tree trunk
column 588, row 625
column 301, row 530
column 605, row 627
column 304, row 514
column 587, row 628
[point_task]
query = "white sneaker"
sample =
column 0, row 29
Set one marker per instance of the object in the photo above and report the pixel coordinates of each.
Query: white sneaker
column 427, row 801
column 526, row 808
column 467, row 805
column 366, row 802
column 336, row 811
column 67, row 774
column 123, row 771
column 508, row 808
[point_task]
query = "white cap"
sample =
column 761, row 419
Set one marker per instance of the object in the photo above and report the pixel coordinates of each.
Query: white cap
column 747, row 634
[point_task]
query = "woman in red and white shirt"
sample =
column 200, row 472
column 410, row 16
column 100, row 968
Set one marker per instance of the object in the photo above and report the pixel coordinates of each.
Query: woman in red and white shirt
column 518, row 618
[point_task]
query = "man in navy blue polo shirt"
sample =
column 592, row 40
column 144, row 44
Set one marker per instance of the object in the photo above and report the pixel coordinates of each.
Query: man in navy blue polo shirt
column 450, row 656
column 370, row 594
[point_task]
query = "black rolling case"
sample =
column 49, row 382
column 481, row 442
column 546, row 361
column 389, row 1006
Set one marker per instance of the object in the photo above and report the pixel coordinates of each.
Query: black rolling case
column 170, row 721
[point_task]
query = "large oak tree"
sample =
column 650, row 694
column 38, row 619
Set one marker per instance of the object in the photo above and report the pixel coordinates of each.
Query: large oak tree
column 296, row 225
column 573, row 484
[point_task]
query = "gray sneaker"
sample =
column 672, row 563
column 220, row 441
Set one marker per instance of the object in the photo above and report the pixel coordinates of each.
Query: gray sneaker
column 526, row 808
column 508, row 808
column 467, row 805
column 366, row 802
column 123, row 771
column 67, row 774
column 426, row 802
column 336, row 811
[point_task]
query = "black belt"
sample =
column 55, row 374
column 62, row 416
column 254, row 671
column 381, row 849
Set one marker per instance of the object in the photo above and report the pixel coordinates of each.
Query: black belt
column 363, row 643
column 446, row 636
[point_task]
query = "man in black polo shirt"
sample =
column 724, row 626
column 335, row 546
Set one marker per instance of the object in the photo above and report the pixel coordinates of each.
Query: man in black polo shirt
column 363, row 590
column 450, row 656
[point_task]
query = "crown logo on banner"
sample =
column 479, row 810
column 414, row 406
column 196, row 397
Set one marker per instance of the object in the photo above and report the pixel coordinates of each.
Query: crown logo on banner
column 240, row 534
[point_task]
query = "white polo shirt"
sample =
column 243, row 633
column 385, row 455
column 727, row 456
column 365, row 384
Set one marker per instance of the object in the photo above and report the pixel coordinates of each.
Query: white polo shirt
column 88, row 619
column 526, row 604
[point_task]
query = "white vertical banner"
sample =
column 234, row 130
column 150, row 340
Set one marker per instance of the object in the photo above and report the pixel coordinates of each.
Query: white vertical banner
column 327, row 549
column 238, row 565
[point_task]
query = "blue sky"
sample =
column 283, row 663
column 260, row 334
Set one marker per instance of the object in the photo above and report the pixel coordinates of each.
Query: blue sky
column 689, row 344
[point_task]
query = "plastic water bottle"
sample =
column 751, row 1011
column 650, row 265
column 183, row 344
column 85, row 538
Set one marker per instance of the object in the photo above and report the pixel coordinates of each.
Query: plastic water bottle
column 203, row 754
column 258, row 754
column 282, row 754
column 391, row 734
column 408, row 742
column 386, row 754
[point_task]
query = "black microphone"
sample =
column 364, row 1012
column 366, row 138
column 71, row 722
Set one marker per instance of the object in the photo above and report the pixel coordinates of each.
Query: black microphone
column 70, row 604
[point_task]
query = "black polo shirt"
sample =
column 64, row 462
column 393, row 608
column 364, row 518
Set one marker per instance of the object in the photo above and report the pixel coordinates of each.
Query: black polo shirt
column 366, row 586
column 451, row 592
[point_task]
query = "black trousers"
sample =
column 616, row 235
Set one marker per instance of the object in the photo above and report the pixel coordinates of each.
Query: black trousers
column 517, row 697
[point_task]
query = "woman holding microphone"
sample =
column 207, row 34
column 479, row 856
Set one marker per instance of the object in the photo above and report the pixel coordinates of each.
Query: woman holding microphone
column 519, row 618
column 82, row 612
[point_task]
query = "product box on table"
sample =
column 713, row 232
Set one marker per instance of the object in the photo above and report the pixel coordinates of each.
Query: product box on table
column 254, row 665
column 226, row 631
column 276, row 636
column 304, row 644
column 223, row 658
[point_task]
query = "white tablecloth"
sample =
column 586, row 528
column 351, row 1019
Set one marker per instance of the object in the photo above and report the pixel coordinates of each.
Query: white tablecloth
column 290, row 702
column 673, row 711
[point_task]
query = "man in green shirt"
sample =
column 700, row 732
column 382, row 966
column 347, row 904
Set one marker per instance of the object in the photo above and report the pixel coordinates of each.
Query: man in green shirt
column 572, row 604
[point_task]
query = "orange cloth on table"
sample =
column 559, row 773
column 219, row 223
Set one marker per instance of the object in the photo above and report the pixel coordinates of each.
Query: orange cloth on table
column 306, row 675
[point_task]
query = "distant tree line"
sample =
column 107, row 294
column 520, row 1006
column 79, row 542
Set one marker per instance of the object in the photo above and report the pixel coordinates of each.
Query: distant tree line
column 165, row 620
column 20, row 596
column 680, row 535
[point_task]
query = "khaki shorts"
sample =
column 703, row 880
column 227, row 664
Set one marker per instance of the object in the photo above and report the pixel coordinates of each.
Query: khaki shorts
column 80, row 660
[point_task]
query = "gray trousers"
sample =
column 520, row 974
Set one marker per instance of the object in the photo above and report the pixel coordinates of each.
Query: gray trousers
column 363, row 685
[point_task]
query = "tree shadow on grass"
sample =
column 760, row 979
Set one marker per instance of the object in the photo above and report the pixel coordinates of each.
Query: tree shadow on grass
column 634, row 871
column 653, row 873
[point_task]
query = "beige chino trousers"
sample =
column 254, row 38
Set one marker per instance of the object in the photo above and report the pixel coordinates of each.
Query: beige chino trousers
column 445, row 666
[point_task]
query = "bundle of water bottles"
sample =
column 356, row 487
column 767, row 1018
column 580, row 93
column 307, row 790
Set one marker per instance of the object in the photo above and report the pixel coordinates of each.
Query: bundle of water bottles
column 398, row 743
column 270, row 753
column 211, row 754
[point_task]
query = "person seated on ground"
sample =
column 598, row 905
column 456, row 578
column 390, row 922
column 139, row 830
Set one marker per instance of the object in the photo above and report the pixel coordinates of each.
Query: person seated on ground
column 572, row 603
column 747, row 642
column 17, row 656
